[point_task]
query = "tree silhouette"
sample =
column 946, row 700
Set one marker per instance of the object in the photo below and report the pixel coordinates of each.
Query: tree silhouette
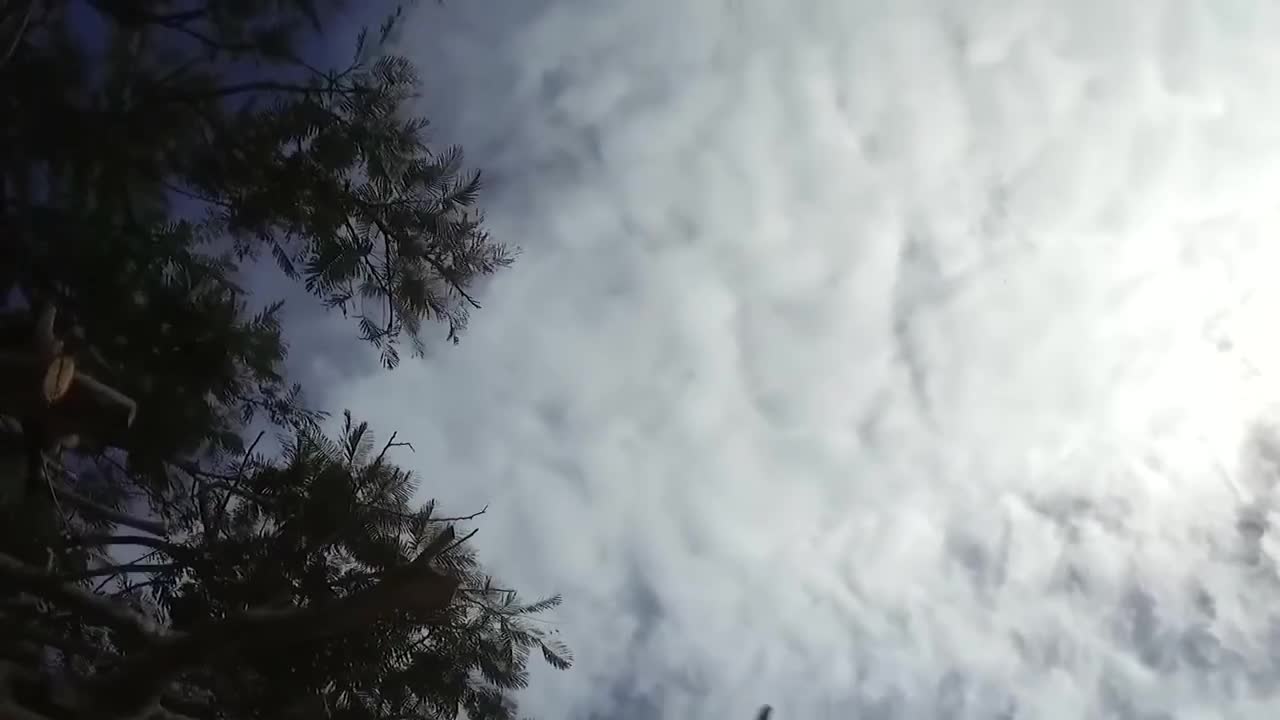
column 315, row 587
column 153, row 561
column 210, row 108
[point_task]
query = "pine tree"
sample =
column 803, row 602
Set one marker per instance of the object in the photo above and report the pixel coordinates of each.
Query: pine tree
column 150, row 151
column 201, row 127
column 292, row 587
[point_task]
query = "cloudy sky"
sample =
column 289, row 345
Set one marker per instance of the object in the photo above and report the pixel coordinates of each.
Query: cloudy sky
column 875, row 359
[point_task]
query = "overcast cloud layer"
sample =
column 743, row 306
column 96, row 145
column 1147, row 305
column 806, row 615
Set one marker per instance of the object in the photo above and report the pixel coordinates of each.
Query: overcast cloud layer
column 870, row 359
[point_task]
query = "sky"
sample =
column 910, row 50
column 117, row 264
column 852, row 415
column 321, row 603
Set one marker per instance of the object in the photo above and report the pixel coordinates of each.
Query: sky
column 910, row 359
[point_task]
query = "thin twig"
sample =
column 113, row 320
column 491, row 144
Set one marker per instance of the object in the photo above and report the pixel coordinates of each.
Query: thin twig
column 245, row 494
column 225, row 91
column 461, row 540
column 98, row 588
column 197, row 471
column 94, row 540
column 487, row 591
column 137, row 586
column 439, row 268
column 248, row 454
column 87, row 506
column 460, row 518
column 135, row 13
column 17, row 36
column 391, row 443
column 226, row 499
column 116, row 570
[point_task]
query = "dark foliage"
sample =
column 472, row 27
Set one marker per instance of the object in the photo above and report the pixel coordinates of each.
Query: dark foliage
column 329, row 521
column 150, row 152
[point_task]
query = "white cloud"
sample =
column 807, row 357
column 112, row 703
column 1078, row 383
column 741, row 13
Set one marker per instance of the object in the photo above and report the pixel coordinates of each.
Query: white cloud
column 869, row 359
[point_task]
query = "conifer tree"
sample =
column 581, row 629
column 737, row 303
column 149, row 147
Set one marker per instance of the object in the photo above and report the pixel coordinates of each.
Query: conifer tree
column 151, row 151
column 307, row 585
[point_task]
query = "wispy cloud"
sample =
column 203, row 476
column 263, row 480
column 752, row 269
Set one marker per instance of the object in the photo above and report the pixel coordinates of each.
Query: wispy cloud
column 869, row 359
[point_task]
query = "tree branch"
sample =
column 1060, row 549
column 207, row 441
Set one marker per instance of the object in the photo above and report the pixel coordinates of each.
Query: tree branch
column 391, row 443
column 245, row 494
column 215, row 44
column 461, row 540
column 460, row 518
column 164, row 546
column 441, row 270
column 457, row 287
column 142, row 677
column 112, row 570
column 138, row 680
column 18, row 34
column 196, row 471
column 244, row 462
column 257, row 86
column 94, row 608
column 89, row 507
column 159, row 712
column 132, row 14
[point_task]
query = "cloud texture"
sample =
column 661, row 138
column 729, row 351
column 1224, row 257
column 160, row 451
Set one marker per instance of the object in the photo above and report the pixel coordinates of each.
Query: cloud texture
column 870, row 359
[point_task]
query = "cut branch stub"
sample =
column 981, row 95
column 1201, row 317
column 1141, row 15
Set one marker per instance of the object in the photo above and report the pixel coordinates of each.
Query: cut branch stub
column 58, row 377
column 40, row 385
